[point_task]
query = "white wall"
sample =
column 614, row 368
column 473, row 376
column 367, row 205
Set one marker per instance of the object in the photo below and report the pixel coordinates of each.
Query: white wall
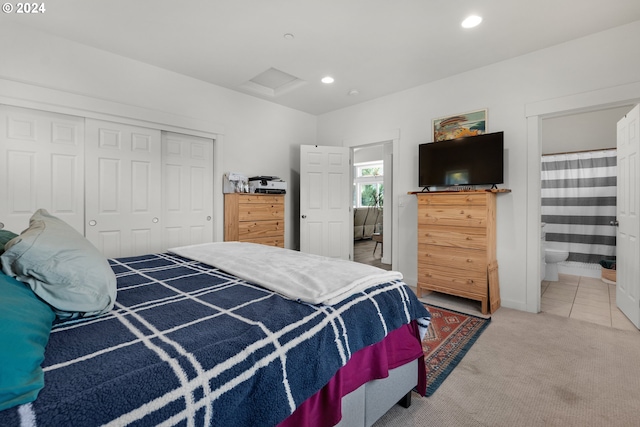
column 260, row 138
column 368, row 154
column 607, row 59
column 593, row 130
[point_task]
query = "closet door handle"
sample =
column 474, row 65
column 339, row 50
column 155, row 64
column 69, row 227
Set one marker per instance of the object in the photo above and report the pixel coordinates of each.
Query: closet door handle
column 155, row 220
column 93, row 223
column 614, row 223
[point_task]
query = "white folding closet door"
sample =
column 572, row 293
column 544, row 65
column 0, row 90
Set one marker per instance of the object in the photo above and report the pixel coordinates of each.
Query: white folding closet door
column 41, row 166
column 123, row 188
column 187, row 183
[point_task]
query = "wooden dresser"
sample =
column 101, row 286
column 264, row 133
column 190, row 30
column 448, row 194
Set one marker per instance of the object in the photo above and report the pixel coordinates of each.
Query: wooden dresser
column 252, row 217
column 457, row 246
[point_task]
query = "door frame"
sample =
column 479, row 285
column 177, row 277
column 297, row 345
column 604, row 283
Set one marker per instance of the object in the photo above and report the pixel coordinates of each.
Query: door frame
column 392, row 137
column 616, row 96
column 25, row 95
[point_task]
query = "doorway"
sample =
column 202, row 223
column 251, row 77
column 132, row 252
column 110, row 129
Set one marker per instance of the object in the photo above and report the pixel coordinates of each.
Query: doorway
column 578, row 197
column 624, row 95
column 369, row 176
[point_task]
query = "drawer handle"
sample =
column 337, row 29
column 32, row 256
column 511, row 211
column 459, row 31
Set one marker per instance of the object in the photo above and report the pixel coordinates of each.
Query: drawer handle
column 469, row 216
column 470, row 281
column 469, row 260
column 428, row 274
column 428, row 255
column 469, row 238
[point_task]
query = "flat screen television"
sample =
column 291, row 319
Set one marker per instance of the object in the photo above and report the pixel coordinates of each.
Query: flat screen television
column 467, row 161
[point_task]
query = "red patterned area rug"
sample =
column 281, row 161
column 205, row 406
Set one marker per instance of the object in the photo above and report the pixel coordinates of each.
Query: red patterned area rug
column 450, row 335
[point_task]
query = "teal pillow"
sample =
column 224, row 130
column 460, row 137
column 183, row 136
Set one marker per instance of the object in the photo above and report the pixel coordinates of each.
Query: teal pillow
column 62, row 267
column 25, row 324
column 5, row 236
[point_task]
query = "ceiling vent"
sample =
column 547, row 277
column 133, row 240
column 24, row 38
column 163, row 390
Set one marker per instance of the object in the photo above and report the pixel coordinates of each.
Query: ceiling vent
column 273, row 83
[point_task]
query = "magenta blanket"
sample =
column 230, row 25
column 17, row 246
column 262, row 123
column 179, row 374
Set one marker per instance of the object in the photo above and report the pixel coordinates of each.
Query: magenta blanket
column 400, row 346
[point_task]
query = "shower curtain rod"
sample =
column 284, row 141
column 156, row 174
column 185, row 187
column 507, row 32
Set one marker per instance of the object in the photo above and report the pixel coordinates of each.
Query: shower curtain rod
column 579, row 151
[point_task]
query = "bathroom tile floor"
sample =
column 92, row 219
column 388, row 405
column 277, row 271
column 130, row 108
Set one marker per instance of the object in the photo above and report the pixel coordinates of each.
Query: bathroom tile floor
column 584, row 298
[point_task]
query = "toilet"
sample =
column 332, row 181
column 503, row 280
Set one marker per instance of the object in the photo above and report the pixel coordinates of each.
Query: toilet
column 552, row 257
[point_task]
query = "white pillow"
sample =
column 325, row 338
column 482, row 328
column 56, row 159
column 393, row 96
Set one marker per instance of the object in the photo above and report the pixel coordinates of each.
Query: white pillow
column 62, row 267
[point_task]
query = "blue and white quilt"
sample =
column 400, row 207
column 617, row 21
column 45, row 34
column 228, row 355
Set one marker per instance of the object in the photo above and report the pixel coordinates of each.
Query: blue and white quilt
column 188, row 344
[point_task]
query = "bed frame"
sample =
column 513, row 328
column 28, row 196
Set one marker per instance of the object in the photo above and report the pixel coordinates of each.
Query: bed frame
column 367, row 404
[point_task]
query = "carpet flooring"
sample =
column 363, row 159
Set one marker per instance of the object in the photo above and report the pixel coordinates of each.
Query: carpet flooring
column 536, row 370
column 450, row 335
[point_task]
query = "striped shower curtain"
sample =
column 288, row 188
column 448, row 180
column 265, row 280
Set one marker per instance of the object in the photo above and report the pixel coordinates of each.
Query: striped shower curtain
column 579, row 202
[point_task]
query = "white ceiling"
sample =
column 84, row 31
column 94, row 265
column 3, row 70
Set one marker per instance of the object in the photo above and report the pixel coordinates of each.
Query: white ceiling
column 376, row 47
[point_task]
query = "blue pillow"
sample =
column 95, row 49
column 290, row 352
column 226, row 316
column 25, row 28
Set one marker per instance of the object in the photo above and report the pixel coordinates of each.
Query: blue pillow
column 25, row 324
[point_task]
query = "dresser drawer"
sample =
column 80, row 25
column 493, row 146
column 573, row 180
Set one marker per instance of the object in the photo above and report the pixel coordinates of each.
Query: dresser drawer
column 452, row 199
column 430, row 256
column 457, row 237
column 260, row 211
column 250, row 198
column 254, row 229
column 453, row 280
column 466, row 216
column 269, row 240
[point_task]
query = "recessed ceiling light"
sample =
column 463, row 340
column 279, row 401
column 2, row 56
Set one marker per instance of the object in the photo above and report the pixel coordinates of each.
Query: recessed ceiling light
column 289, row 36
column 327, row 80
column 353, row 92
column 472, row 21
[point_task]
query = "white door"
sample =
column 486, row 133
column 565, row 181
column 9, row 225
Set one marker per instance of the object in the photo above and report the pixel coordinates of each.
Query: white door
column 628, row 199
column 41, row 166
column 187, row 183
column 325, row 201
column 123, row 188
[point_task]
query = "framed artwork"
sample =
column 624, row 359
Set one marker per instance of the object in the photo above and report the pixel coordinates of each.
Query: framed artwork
column 465, row 124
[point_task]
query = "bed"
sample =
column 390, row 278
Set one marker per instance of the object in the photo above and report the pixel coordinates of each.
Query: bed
column 189, row 343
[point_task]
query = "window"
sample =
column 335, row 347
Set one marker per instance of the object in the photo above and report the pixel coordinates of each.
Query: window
column 368, row 184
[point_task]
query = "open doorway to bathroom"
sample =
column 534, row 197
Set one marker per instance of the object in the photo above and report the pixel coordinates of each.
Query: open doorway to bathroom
column 371, row 171
column 578, row 209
